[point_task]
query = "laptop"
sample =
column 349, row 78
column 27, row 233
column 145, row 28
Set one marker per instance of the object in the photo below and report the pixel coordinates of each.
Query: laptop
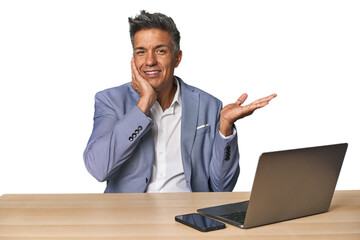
column 288, row 184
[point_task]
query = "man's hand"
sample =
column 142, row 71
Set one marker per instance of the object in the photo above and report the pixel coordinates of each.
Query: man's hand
column 143, row 88
column 232, row 112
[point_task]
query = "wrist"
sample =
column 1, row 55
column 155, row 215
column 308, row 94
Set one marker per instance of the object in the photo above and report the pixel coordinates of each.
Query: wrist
column 226, row 128
column 145, row 104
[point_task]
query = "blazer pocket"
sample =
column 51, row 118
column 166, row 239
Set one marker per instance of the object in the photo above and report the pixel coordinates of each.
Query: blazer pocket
column 203, row 129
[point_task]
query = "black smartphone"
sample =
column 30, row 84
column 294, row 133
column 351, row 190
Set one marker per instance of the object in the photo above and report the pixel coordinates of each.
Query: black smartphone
column 199, row 222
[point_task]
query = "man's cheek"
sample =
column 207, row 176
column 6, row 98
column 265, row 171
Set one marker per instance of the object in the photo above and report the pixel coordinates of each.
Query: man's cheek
column 142, row 74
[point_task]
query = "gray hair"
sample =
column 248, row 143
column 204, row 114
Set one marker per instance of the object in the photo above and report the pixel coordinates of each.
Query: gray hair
column 147, row 20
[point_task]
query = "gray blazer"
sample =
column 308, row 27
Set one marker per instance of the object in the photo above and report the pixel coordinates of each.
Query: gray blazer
column 121, row 148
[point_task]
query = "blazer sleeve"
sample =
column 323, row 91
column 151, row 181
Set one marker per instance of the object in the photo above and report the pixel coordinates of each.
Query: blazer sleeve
column 224, row 165
column 113, row 139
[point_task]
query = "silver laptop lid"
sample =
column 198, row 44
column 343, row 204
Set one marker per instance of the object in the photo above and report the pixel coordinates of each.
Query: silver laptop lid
column 294, row 183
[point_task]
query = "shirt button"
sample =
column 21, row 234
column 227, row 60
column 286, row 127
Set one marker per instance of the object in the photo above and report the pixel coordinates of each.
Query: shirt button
column 136, row 131
column 139, row 128
column 134, row 135
column 130, row 139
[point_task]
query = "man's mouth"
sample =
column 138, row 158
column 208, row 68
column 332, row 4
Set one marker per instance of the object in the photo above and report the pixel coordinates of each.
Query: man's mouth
column 152, row 73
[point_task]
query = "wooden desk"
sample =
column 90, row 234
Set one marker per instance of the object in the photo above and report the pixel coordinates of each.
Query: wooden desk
column 151, row 216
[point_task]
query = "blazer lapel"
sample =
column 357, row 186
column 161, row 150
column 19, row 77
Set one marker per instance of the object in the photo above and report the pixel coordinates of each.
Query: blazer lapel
column 190, row 109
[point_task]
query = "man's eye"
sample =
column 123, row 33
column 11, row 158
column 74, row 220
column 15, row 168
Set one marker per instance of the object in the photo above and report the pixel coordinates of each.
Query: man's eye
column 140, row 53
column 160, row 51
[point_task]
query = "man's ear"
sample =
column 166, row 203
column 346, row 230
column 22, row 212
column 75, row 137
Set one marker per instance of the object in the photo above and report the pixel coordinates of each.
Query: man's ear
column 178, row 58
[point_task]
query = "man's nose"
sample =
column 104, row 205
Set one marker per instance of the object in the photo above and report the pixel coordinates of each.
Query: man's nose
column 150, row 59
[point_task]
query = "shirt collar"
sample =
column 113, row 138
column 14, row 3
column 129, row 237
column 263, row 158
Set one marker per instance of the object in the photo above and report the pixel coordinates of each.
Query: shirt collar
column 156, row 108
column 177, row 96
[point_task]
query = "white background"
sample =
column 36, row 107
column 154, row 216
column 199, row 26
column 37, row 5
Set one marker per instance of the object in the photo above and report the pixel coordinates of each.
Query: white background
column 55, row 55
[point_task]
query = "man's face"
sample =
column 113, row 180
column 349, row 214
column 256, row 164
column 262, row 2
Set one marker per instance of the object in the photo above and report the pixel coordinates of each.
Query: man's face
column 154, row 57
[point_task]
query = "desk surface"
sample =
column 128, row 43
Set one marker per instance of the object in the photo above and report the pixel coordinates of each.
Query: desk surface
column 151, row 216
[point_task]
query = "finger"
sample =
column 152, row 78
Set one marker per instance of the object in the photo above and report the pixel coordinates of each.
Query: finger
column 133, row 66
column 250, row 108
column 133, row 75
column 134, row 69
column 253, row 107
column 135, row 81
column 241, row 99
column 265, row 99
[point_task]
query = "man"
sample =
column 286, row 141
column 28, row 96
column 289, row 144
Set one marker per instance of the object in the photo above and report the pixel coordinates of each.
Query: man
column 158, row 134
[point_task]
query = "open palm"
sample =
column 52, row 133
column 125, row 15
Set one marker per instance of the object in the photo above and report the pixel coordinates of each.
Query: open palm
column 234, row 111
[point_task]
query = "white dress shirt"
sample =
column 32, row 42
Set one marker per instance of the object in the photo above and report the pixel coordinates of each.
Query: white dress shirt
column 168, row 172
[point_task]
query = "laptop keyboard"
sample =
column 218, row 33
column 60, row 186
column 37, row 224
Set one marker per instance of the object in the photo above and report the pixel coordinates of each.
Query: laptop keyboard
column 236, row 216
column 239, row 215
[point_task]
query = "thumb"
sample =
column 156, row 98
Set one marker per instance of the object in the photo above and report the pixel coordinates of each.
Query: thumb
column 241, row 99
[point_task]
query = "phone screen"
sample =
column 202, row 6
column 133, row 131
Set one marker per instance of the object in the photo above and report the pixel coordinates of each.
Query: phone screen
column 199, row 222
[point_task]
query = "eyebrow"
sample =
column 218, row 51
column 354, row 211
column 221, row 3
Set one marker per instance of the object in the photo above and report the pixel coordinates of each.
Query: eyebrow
column 158, row 46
